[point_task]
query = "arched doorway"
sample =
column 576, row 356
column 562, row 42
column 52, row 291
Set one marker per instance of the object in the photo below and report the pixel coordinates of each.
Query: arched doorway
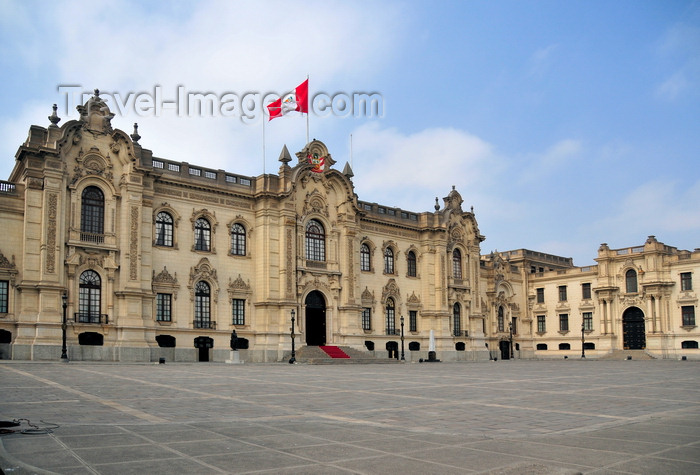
column 315, row 319
column 633, row 334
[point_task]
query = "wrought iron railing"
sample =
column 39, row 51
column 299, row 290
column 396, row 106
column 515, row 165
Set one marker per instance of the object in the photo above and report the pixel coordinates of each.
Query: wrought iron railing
column 92, row 237
column 91, row 318
column 204, row 324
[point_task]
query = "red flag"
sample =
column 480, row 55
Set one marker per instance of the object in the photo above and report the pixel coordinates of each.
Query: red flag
column 297, row 100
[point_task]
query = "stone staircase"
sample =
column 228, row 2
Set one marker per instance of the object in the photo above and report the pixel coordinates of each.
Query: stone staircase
column 628, row 354
column 315, row 355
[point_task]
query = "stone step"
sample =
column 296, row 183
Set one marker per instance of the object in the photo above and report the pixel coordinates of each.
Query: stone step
column 628, row 354
column 315, row 355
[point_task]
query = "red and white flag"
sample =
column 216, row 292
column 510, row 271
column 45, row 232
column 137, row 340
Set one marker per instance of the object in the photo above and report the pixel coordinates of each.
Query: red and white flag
column 297, row 100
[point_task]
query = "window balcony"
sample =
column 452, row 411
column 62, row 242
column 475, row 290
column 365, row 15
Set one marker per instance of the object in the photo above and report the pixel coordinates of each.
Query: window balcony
column 392, row 331
column 204, row 324
column 92, row 238
column 95, row 318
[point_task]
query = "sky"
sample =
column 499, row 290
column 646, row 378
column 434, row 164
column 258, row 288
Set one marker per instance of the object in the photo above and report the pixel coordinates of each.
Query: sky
column 564, row 124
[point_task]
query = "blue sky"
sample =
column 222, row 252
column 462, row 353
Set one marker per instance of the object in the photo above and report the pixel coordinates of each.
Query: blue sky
column 565, row 124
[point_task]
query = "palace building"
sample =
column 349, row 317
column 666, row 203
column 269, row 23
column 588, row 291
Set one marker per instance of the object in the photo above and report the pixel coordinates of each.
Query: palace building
column 136, row 258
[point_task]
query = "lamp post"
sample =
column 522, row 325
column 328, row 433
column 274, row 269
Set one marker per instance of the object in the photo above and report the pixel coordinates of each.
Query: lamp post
column 64, row 354
column 583, row 345
column 510, row 338
column 402, row 354
column 293, row 358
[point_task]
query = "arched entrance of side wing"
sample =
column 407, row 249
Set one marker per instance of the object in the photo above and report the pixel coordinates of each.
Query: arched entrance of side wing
column 633, row 332
column 315, row 307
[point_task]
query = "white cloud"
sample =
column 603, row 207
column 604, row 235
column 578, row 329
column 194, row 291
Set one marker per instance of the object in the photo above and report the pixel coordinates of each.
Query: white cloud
column 655, row 206
column 215, row 46
column 558, row 156
column 409, row 170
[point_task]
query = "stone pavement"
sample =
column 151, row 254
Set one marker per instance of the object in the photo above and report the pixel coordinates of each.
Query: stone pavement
column 505, row 417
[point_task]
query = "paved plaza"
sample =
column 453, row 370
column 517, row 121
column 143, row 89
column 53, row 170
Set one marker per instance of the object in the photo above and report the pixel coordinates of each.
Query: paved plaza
column 505, row 417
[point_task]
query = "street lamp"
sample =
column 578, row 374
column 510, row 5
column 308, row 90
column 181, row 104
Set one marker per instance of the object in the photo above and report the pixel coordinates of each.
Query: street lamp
column 510, row 338
column 402, row 355
column 293, row 358
column 583, row 345
column 64, row 354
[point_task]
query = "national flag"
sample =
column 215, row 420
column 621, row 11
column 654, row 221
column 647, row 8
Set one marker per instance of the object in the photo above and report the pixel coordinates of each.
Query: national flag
column 297, row 100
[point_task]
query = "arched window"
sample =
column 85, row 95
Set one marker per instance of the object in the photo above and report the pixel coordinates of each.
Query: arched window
column 89, row 297
column 631, row 281
column 237, row 240
column 202, row 235
column 315, row 241
column 202, row 297
column 365, row 258
column 92, row 211
column 390, row 317
column 164, row 229
column 457, row 318
column 388, row 261
column 501, row 320
column 411, row 263
column 456, row 264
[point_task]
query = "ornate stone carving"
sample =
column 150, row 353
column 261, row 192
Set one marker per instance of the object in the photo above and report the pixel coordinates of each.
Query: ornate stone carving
column 134, row 243
column 391, row 289
column 5, row 263
column 413, row 298
column 51, row 234
column 164, row 277
column 238, row 284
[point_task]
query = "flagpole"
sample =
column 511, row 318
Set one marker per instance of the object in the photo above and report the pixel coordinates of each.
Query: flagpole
column 263, row 139
column 350, row 150
column 307, row 111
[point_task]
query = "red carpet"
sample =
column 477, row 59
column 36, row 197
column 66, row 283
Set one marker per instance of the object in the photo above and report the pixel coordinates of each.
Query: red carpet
column 334, row 352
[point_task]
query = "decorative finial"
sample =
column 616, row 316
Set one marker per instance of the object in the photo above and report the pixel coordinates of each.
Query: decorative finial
column 135, row 136
column 54, row 118
column 437, row 204
column 285, row 157
column 472, row 210
column 97, row 93
column 453, row 187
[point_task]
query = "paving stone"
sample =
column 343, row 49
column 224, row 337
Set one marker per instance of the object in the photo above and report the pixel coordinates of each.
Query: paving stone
column 514, row 417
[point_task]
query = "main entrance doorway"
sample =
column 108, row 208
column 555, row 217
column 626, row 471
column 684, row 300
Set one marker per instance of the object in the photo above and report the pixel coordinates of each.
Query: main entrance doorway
column 633, row 334
column 315, row 319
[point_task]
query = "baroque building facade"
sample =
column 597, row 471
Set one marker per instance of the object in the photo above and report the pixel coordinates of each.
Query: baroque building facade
column 137, row 258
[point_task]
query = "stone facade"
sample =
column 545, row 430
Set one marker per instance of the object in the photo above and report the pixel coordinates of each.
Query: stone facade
column 162, row 259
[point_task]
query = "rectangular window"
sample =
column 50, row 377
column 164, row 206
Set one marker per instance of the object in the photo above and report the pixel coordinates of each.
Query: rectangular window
column 4, row 295
column 244, row 181
column 210, row 175
column 230, row 179
column 588, row 321
column 688, row 312
column 195, row 172
column 413, row 320
column 173, row 167
column 541, row 325
column 157, row 164
column 366, row 318
column 514, row 325
column 586, row 291
column 540, row 295
column 562, row 293
column 686, row 281
column 563, row 322
column 238, row 311
column 163, row 307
